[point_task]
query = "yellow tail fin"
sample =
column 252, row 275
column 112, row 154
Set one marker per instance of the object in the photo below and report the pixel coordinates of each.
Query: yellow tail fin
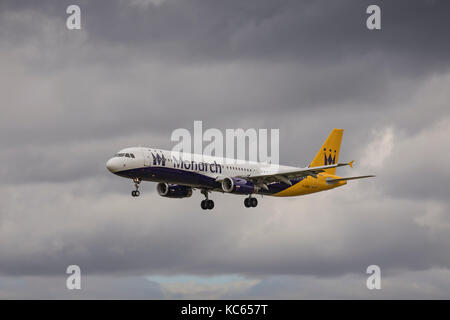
column 329, row 153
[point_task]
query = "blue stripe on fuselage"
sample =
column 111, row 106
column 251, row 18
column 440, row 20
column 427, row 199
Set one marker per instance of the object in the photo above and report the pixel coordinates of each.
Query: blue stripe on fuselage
column 171, row 175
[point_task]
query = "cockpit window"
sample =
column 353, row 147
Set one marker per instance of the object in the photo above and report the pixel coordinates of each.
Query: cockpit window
column 127, row 155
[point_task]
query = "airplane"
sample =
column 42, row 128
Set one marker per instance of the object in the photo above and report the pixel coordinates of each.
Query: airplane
column 178, row 173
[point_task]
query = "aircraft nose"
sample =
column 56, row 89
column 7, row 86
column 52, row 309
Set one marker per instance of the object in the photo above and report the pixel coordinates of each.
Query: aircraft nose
column 113, row 165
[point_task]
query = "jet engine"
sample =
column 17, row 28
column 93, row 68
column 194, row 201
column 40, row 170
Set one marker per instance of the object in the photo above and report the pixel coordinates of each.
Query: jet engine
column 237, row 185
column 173, row 190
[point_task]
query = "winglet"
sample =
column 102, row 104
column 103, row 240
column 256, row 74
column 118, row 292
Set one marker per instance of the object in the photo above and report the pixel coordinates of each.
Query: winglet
column 351, row 163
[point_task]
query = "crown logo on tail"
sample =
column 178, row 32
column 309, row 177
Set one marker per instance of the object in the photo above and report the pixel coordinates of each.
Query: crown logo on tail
column 331, row 158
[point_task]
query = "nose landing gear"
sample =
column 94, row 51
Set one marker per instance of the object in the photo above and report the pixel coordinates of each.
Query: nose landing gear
column 136, row 193
column 250, row 202
column 206, row 204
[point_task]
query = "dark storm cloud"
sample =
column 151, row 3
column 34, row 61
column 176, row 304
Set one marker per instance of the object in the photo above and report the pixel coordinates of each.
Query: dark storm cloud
column 91, row 288
column 114, row 234
column 289, row 55
column 248, row 56
column 406, row 284
column 413, row 32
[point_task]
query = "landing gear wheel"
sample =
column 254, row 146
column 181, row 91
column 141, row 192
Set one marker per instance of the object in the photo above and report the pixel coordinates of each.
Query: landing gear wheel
column 250, row 202
column 136, row 193
column 206, row 204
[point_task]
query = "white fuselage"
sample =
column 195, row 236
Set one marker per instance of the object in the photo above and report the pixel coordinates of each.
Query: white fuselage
column 209, row 166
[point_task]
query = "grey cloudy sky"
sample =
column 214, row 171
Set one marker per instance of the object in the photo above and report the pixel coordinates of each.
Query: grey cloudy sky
column 139, row 69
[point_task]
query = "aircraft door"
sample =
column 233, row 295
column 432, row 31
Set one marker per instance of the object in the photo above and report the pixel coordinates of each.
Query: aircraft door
column 147, row 158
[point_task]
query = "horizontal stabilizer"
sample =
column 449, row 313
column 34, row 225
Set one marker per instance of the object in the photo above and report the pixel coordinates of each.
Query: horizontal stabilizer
column 349, row 178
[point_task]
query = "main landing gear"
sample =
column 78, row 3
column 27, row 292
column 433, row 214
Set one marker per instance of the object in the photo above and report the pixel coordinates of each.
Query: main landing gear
column 136, row 193
column 250, row 202
column 206, row 204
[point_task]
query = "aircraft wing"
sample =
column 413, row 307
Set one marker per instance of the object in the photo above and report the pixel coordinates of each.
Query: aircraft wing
column 262, row 180
column 349, row 178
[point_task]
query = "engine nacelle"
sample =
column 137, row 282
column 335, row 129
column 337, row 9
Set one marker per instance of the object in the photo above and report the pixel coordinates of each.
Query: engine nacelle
column 173, row 190
column 237, row 185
